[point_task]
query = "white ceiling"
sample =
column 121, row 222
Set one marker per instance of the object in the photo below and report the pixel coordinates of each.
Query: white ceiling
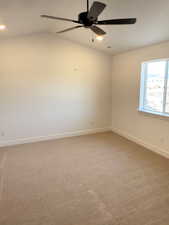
column 23, row 17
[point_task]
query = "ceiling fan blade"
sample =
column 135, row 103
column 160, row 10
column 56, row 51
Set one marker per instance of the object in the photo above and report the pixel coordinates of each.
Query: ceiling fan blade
column 117, row 21
column 95, row 10
column 59, row 18
column 69, row 29
column 97, row 30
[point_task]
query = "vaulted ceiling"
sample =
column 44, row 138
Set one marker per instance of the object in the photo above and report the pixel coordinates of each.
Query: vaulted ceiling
column 23, row 17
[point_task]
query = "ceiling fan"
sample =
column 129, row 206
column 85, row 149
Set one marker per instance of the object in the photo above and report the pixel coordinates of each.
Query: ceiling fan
column 89, row 19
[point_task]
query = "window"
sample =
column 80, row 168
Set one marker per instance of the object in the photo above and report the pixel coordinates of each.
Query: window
column 154, row 91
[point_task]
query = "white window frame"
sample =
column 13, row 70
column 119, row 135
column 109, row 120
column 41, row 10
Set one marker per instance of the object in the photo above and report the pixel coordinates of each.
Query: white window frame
column 143, row 88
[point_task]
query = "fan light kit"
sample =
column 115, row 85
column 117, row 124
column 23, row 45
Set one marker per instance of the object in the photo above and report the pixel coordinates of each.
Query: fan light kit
column 2, row 27
column 99, row 38
column 89, row 19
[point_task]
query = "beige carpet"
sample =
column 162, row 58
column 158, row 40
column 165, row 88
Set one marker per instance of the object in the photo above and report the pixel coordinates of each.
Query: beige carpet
column 100, row 179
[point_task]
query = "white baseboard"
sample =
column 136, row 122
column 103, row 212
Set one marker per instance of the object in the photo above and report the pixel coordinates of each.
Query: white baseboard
column 141, row 142
column 53, row 136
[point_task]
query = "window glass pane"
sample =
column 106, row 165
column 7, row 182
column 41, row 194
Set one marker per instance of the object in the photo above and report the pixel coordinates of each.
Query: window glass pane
column 167, row 99
column 154, row 90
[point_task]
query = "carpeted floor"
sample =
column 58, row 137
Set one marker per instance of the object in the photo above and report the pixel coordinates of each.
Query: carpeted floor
column 100, row 179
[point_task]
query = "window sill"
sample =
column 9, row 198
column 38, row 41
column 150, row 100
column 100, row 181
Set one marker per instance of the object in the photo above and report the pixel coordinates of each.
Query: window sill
column 166, row 115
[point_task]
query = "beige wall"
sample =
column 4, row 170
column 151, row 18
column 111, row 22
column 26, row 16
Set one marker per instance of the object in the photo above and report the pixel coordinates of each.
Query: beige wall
column 50, row 86
column 152, row 131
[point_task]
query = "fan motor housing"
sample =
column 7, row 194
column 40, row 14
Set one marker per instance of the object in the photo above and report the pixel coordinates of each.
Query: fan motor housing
column 83, row 19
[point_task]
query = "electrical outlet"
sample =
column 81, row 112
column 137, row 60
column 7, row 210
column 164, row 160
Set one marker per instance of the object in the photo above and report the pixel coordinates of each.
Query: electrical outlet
column 162, row 140
column 2, row 134
column 92, row 123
